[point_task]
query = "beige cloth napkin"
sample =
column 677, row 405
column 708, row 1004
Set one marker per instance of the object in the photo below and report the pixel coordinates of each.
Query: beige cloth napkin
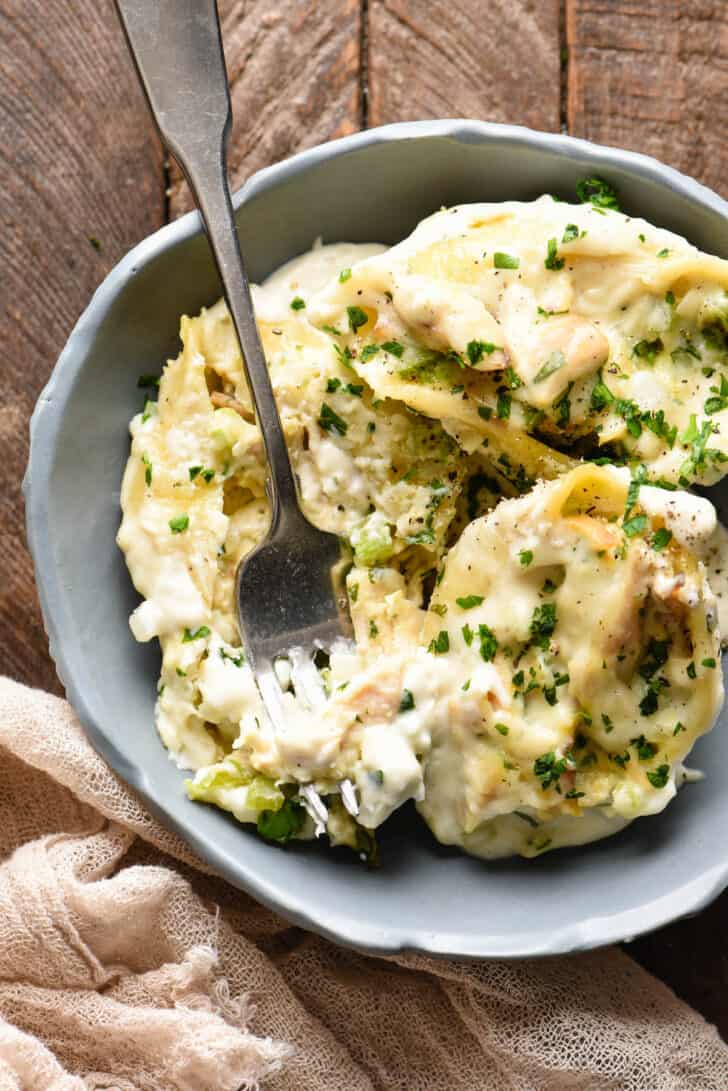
column 126, row 964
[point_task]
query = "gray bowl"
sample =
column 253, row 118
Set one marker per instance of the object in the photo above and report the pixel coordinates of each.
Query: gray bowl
column 372, row 186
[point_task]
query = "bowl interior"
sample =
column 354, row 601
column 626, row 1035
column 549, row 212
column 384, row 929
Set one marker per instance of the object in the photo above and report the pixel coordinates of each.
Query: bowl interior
column 372, row 187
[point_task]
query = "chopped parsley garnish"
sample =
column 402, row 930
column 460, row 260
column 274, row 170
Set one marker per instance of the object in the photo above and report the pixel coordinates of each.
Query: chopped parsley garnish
column 394, row 347
column 199, row 634
column 503, row 406
column 407, row 702
column 700, row 454
column 354, row 592
column 331, row 421
column 488, row 643
column 543, row 623
column 656, row 423
column 344, row 275
column 526, row 818
column 599, row 193
column 511, row 379
column 709, row 663
column 656, row 654
column 477, row 349
column 236, row 660
column 357, row 318
column 550, row 314
column 663, row 253
column 505, row 261
column 553, row 261
column 636, row 525
column 550, row 695
column 639, row 476
column 648, row 350
column 367, row 352
column 469, row 601
column 659, row 777
column 608, row 724
column 439, row 608
column 601, row 395
column 355, row 389
column 573, row 794
column 181, row 673
column 332, row 385
column 147, row 469
column 719, row 400
column 283, row 824
column 571, row 233
column 691, row 672
column 562, row 405
column 150, row 408
column 525, row 557
column 179, row 523
column 670, row 298
column 332, row 330
column 148, row 380
column 468, row 634
column 678, row 728
column 344, row 355
column 555, row 361
column 502, row 729
column 660, row 539
column 548, row 768
column 485, row 412
column 373, row 630
column 440, row 644
column 297, row 304
column 645, row 750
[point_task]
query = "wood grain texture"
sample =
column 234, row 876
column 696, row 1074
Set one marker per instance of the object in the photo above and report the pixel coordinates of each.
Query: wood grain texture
column 652, row 76
column 463, row 58
column 78, row 159
column 293, row 67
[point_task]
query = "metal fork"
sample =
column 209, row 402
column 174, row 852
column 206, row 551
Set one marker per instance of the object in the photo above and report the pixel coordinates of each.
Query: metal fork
column 290, row 592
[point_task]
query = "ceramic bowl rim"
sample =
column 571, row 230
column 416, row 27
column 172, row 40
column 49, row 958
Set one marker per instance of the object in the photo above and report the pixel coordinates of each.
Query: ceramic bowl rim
column 45, row 425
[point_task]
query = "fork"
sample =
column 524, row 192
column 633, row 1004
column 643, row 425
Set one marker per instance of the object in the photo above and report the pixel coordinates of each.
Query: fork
column 290, row 592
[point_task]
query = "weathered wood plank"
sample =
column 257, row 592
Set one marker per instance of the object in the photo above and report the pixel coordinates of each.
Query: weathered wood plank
column 652, row 76
column 463, row 58
column 78, row 160
column 294, row 76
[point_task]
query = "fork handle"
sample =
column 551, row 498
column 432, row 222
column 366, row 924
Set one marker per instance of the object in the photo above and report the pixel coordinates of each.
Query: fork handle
column 177, row 49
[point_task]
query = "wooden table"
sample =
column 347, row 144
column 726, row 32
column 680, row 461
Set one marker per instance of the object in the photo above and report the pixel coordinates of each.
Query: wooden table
column 82, row 179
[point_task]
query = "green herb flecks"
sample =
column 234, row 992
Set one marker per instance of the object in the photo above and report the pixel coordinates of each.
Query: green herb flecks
column 282, row 825
column 477, row 349
column 178, row 523
column 555, row 362
column 331, row 421
column 505, row 261
column 598, row 192
column 469, row 601
column 440, row 644
column 552, row 260
column 407, row 703
column 357, row 318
